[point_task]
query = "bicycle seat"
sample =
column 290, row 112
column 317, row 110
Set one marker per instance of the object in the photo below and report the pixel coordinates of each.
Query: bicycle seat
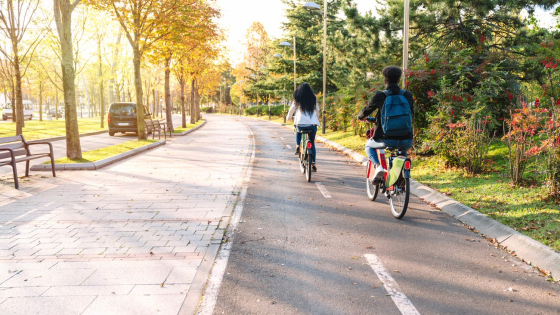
column 305, row 131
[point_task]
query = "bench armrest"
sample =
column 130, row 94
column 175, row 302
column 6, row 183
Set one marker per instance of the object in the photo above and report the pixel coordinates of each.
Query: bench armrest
column 11, row 152
column 33, row 143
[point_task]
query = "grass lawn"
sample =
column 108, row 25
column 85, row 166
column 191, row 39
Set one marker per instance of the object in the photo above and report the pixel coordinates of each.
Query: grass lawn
column 189, row 126
column 35, row 129
column 103, row 153
column 524, row 209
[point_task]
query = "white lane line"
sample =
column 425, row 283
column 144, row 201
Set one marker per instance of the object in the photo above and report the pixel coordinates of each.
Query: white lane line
column 323, row 190
column 217, row 274
column 402, row 302
column 282, row 138
column 288, row 146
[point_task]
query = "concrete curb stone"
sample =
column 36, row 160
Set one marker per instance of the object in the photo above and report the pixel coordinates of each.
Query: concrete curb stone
column 97, row 164
column 526, row 248
column 190, row 130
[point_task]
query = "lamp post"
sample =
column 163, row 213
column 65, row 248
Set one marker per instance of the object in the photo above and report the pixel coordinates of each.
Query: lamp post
column 315, row 7
column 287, row 44
column 283, row 99
column 406, row 32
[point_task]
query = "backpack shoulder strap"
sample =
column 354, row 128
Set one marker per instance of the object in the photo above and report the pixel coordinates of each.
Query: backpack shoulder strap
column 402, row 92
column 387, row 92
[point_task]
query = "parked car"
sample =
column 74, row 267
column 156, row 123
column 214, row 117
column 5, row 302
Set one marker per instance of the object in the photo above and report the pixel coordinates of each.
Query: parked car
column 53, row 112
column 122, row 118
column 7, row 113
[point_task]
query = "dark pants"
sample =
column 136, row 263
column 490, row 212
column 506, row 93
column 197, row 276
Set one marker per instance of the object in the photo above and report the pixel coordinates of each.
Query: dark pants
column 311, row 136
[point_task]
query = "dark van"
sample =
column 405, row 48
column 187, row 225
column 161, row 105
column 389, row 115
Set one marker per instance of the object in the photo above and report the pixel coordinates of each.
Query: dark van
column 122, row 118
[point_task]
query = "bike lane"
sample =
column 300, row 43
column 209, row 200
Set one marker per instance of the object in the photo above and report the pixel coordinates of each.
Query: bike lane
column 324, row 248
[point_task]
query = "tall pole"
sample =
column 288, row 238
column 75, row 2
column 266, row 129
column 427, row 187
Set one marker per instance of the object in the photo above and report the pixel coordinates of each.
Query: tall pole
column 405, row 37
column 294, row 62
column 325, row 63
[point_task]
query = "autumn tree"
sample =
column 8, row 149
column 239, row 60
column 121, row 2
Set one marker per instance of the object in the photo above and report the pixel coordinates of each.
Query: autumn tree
column 15, row 18
column 144, row 22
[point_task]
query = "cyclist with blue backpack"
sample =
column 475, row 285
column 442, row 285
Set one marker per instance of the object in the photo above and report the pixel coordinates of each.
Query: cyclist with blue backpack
column 395, row 109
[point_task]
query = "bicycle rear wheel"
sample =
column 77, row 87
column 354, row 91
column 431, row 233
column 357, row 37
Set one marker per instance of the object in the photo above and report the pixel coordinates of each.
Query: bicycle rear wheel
column 372, row 189
column 399, row 197
column 308, row 166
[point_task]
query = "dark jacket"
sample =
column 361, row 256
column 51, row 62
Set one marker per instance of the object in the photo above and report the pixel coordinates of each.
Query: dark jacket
column 377, row 103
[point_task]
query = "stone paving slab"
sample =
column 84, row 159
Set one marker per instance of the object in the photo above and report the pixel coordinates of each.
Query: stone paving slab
column 128, row 239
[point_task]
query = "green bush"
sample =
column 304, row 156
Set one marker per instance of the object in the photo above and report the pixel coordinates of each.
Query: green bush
column 208, row 110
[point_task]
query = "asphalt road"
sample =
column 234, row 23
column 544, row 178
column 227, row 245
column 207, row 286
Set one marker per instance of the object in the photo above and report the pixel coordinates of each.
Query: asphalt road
column 298, row 252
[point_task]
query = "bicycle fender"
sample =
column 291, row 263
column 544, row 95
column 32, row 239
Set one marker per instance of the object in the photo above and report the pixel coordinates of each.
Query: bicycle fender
column 395, row 172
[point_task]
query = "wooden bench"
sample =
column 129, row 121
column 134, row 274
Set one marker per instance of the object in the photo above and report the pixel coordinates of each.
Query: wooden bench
column 153, row 125
column 15, row 149
column 165, row 127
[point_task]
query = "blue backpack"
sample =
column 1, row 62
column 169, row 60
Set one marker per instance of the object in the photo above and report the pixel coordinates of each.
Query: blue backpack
column 396, row 116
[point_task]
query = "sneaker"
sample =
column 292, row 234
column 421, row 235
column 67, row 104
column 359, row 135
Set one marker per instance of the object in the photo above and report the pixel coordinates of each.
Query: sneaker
column 379, row 173
column 297, row 151
column 314, row 168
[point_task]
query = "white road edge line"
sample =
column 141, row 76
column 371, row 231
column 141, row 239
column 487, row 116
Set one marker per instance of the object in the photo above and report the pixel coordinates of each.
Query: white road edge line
column 219, row 268
column 323, row 190
column 402, row 302
column 288, row 146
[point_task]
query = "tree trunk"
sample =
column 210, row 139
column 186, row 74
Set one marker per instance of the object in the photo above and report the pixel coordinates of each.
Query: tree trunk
column 154, row 109
column 63, row 16
column 17, row 110
column 183, row 113
column 13, row 100
column 139, row 102
column 40, row 101
column 102, row 106
column 197, row 104
column 168, row 109
column 193, row 111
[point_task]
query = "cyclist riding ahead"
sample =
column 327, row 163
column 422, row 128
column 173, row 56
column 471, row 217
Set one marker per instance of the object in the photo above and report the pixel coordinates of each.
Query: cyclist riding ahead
column 393, row 133
column 306, row 117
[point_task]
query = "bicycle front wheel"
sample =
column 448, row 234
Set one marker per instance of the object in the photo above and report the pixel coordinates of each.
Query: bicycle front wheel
column 308, row 167
column 399, row 197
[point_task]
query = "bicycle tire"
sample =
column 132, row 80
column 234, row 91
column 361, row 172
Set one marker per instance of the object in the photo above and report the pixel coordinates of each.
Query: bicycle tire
column 372, row 189
column 308, row 166
column 399, row 200
column 302, row 162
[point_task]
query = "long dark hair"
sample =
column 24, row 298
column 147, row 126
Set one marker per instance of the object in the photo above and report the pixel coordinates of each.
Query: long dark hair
column 305, row 99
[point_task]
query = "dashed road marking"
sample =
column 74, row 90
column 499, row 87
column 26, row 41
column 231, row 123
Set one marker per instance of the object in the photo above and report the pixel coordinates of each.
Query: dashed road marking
column 323, row 190
column 402, row 302
column 282, row 138
column 288, row 146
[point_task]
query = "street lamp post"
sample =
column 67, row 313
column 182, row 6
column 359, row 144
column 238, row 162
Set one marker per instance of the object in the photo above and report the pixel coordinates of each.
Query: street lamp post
column 315, row 7
column 284, row 100
column 287, row 44
column 405, row 38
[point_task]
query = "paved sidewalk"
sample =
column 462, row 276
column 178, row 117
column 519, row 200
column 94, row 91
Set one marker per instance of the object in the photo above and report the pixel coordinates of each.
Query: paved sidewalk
column 127, row 239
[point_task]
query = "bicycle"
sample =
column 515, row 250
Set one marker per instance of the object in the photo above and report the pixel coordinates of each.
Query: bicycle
column 305, row 154
column 395, row 184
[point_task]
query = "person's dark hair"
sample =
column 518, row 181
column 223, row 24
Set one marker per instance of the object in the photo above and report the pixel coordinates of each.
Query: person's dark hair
column 305, row 99
column 392, row 74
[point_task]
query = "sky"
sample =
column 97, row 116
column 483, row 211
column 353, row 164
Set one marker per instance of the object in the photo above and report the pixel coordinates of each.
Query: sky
column 238, row 15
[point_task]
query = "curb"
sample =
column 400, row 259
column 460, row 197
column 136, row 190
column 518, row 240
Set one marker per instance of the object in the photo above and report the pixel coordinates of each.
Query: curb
column 64, row 137
column 186, row 132
column 524, row 247
column 97, row 164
